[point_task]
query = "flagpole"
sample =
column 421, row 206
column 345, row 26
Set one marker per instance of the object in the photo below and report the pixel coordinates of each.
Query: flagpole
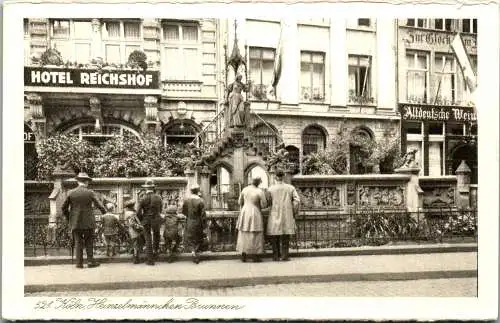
column 440, row 80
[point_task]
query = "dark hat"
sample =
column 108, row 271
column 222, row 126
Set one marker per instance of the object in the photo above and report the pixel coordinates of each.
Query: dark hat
column 129, row 203
column 149, row 184
column 83, row 176
column 194, row 188
column 280, row 173
column 172, row 209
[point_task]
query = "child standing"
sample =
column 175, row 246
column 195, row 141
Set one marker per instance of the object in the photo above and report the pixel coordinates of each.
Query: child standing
column 111, row 228
column 135, row 229
column 171, row 233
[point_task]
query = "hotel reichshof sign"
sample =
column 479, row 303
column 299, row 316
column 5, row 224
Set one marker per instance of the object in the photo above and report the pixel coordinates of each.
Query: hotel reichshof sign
column 64, row 77
column 437, row 113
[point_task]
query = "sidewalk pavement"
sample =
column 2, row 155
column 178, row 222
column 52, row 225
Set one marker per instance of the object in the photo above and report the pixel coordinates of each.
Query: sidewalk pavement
column 388, row 249
column 234, row 273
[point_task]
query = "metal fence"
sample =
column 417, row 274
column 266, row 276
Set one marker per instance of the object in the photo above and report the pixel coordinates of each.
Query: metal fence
column 321, row 230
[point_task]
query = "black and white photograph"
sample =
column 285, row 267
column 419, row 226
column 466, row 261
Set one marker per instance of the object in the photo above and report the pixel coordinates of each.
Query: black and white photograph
column 177, row 163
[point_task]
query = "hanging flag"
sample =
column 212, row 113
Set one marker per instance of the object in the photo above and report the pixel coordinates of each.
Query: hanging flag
column 458, row 47
column 277, row 59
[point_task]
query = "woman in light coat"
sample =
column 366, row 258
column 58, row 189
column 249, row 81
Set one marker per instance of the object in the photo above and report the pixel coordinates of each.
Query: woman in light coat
column 250, row 224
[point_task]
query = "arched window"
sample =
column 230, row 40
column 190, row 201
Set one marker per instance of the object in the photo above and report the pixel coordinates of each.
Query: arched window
column 294, row 157
column 360, row 151
column 313, row 140
column 220, row 185
column 266, row 136
column 30, row 155
column 179, row 132
column 86, row 131
column 258, row 171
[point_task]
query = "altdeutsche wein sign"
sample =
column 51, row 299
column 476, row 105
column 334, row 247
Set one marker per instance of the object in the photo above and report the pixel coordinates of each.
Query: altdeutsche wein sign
column 436, row 113
column 63, row 77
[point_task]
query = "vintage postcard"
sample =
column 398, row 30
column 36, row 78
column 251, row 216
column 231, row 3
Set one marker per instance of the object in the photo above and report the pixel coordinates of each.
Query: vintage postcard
column 250, row 160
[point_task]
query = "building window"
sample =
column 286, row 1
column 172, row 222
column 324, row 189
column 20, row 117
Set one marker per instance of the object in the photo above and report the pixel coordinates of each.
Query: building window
column 179, row 133
column 261, row 71
column 312, row 76
column 294, row 158
column 445, row 79
column 417, row 75
column 360, row 79
column 181, row 51
column 444, row 24
column 364, row 22
column 358, row 153
column 72, row 38
column 420, row 23
column 469, row 26
column 87, row 132
column 120, row 39
column 26, row 27
column 266, row 137
column 313, row 140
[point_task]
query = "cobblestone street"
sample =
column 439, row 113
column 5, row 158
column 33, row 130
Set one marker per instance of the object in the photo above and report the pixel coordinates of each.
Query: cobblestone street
column 460, row 287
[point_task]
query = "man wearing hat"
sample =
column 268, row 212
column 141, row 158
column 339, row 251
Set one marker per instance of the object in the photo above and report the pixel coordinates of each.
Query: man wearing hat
column 281, row 222
column 193, row 209
column 148, row 212
column 77, row 208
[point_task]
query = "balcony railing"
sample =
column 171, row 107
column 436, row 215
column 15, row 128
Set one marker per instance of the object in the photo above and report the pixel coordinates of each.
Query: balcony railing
column 325, row 230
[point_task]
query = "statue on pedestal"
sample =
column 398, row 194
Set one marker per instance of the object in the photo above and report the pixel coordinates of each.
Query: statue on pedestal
column 236, row 102
column 409, row 159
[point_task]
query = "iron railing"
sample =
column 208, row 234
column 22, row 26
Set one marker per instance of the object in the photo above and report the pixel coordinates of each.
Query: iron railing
column 323, row 230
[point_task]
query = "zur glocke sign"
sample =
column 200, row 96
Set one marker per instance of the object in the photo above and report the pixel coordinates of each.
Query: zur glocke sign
column 63, row 77
column 436, row 113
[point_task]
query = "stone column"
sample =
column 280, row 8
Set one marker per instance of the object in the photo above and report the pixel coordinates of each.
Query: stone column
column 191, row 180
column 288, row 87
column 414, row 194
column 37, row 115
column 463, row 185
column 96, row 40
column 338, row 65
column 385, row 65
column 205, row 186
column 152, row 120
column 57, row 198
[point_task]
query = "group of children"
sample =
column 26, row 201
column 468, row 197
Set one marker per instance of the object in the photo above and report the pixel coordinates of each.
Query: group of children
column 111, row 230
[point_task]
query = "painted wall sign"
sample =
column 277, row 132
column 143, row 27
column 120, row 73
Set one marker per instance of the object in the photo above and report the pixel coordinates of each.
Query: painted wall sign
column 63, row 77
column 29, row 135
column 436, row 113
column 418, row 38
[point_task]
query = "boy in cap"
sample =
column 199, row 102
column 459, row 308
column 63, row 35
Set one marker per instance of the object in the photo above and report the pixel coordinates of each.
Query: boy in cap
column 135, row 230
column 171, row 232
column 111, row 228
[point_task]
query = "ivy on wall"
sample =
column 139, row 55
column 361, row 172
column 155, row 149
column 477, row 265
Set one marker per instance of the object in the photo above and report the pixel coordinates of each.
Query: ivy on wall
column 117, row 157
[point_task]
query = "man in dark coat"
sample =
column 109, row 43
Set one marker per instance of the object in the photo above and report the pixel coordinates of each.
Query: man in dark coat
column 193, row 209
column 148, row 212
column 77, row 208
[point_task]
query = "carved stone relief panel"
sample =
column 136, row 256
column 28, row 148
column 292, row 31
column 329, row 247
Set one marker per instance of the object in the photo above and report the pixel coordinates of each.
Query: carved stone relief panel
column 439, row 196
column 169, row 197
column 107, row 196
column 36, row 203
column 381, row 196
column 320, row 197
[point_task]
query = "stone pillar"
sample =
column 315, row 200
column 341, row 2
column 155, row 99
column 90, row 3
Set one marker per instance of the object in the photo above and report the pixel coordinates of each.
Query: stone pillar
column 385, row 65
column 37, row 115
column 57, row 198
column 151, row 35
column 152, row 119
column 463, row 185
column 338, row 65
column 95, row 110
column 414, row 194
column 191, row 180
column 205, row 186
column 96, row 40
column 288, row 87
